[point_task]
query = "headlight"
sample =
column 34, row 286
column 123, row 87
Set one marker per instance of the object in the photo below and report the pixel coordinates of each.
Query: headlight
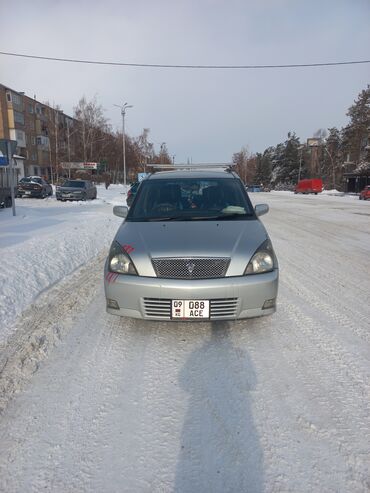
column 119, row 261
column 263, row 260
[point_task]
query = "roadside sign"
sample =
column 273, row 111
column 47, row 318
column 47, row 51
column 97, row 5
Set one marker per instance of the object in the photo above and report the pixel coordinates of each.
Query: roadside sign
column 4, row 157
column 141, row 176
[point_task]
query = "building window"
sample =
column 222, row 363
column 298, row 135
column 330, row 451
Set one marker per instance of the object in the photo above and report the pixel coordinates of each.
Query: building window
column 16, row 99
column 30, row 108
column 18, row 117
column 38, row 110
column 38, row 141
column 8, row 97
column 35, row 170
column 34, row 158
column 33, row 141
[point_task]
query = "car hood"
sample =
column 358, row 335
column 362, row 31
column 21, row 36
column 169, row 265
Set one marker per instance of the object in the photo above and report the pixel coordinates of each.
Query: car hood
column 237, row 240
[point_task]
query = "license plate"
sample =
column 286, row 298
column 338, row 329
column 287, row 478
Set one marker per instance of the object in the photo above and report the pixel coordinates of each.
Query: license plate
column 190, row 309
column 27, row 193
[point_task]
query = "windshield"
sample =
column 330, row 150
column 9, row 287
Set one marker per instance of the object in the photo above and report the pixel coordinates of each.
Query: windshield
column 74, row 184
column 31, row 179
column 186, row 199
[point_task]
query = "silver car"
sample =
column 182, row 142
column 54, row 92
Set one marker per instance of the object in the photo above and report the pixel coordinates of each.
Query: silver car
column 191, row 247
column 76, row 190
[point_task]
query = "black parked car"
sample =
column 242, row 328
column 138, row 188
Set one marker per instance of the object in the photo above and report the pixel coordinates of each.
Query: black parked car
column 76, row 190
column 34, row 186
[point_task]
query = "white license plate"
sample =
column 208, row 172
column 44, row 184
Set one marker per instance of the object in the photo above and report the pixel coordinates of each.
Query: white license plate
column 190, row 309
column 27, row 193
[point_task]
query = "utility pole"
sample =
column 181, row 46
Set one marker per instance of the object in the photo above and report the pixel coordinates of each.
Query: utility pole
column 123, row 113
column 11, row 169
column 332, row 164
column 300, row 161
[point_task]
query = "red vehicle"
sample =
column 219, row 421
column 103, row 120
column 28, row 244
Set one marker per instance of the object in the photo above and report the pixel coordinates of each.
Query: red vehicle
column 311, row 185
column 365, row 193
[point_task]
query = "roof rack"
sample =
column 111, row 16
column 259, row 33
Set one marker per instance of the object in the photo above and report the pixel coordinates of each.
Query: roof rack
column 192, row 166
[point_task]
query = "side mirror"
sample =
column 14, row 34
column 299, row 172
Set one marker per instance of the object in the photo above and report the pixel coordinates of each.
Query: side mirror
column 120, row 210
column 261, row 209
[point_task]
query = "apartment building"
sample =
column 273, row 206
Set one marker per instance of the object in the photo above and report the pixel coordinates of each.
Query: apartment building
column 43, row 133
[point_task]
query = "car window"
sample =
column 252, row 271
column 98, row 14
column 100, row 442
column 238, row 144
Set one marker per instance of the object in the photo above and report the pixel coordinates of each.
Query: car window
column 190, row 199
column 74, row 183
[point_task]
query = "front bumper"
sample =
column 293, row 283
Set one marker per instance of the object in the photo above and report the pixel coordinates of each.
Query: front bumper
column 29, row 193
column 68, row 196
column 231, row 298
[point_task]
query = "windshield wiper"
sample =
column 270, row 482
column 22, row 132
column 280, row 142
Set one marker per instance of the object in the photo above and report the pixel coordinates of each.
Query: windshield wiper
column 227, row 216
column 171, row 218
column 193, row 218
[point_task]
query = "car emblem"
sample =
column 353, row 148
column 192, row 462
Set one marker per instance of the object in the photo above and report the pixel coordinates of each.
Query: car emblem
column 190, row 266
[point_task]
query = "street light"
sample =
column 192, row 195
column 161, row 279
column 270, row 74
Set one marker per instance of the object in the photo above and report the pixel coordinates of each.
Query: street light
column 123, row 113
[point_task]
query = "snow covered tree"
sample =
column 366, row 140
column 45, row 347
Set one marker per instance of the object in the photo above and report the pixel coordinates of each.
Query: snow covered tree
column 355, row 136
column 264, row 167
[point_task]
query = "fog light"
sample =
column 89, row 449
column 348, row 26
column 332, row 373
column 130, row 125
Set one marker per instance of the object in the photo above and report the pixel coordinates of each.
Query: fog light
column 269, row 304
column 112, row 304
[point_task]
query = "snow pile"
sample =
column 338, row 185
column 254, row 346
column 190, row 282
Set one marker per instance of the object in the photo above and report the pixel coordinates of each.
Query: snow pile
column 48, row 240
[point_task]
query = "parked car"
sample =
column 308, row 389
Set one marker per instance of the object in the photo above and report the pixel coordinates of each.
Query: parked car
column 34, row 186
column 313, row 185
column 131, row 193
column 76, row 190
column 254, row 188
column 191, row 247
column 365, row 193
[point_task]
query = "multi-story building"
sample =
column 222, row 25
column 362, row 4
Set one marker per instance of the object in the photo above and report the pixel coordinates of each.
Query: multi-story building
column 43, row 133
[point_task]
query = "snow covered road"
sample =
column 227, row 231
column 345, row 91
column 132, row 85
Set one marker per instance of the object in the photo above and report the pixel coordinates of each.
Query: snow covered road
column 274, row 404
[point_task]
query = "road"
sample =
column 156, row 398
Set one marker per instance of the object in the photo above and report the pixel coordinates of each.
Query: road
column 280, row 403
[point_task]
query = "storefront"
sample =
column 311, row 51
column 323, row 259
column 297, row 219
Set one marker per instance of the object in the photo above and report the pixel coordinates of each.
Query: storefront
column 355, row 182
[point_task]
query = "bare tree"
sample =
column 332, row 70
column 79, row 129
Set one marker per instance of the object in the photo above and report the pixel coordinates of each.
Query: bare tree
column 92, row 127
column 241, row 160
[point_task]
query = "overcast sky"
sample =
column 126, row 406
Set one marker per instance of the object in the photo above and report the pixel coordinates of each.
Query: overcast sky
column 203, row 115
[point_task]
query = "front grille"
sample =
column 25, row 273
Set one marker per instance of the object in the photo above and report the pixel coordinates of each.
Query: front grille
column 190, row 268
column 157, row 308
column 219, row 309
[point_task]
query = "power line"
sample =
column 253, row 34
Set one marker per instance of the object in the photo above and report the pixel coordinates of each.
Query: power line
column 155, row 65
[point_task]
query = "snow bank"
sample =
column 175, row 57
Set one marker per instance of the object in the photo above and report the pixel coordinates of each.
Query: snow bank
column 48, row 240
